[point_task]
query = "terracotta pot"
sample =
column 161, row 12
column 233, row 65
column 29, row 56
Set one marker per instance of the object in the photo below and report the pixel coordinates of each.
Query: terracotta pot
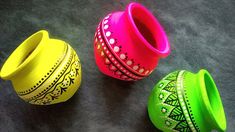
column 43, row 71
column 183, row 101
column 128, row 44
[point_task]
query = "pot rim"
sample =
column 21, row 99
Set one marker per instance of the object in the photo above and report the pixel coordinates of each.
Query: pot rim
column 156, row 25
column 211, row 98
column 24, row 54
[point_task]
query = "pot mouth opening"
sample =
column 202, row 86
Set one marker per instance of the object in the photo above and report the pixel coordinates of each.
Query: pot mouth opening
column 23, row 54
column 213, row 101
column 148, row 29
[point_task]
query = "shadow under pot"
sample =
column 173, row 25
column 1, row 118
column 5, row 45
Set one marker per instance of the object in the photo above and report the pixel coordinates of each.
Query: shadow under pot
column 43, row 71
column 128, row 44
column 183, row 101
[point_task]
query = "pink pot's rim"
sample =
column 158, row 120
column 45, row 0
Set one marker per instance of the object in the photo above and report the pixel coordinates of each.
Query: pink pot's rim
column 164, row 51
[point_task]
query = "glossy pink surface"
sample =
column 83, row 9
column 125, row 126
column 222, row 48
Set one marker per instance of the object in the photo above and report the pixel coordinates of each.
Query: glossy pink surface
column 128, row 44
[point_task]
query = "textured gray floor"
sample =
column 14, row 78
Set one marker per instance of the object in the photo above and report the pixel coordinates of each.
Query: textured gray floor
column 201, row 33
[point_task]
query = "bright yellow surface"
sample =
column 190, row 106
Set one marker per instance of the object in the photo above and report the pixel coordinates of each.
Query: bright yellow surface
column 43, row 70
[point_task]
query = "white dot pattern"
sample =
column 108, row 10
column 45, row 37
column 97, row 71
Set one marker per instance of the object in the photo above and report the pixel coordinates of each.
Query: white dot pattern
column 118, row 72
column 107, row 61
column 111, row 41
column 106, row 26
column 180, row 96
column 141, row 70
column 129, row 62
column 135, row 67
column 116, row 49
column 108, row 33
column 114, row 65
column 106, row 21
column 123, row 56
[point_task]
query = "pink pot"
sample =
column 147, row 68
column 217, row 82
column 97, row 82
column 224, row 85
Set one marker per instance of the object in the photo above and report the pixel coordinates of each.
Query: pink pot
column 128, row 44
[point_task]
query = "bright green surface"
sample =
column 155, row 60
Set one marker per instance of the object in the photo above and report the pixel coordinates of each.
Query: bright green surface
column 183, row 101
column 201, row 34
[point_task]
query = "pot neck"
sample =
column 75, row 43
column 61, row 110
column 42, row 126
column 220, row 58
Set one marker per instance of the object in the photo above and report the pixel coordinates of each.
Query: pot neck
column 24, row 54
column 211, row 102
column 146, row 30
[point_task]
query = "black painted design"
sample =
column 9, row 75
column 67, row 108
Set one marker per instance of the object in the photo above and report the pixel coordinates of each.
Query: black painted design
column 45, row 77
column 170, row 87
column 189, row 109
column 52, row 82
column 61, row 84
column 172, row 76
column 111, row 66
column 126, row 54
column 177, row 114
column 172, row 99
column 182, row 126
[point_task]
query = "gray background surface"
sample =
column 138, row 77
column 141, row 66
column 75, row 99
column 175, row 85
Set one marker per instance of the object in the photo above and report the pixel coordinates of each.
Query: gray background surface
column 201, row 33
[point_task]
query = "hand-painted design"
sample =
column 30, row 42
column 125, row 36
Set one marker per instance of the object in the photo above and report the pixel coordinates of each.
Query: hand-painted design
column 53, row 82
column 164, row 110
column 160, row 85
column 187, row 105
column 172, row 76
column 168, row 123
column 113, row 64
column 177, row 114
column 182, row 96
column 170, row 87
column 61, row 85
column 127, row 62
column 172, row 100
column 45, row 77
column 161, row 96
column 175, row 99
column 182, row 126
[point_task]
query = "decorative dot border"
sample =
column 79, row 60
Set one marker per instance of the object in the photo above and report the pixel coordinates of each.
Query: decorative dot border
column 181, row 97
column 54, row 81
column 45, row 77
column 188, row 106
column 113, row 42
column 59, row 88
column 116, row 66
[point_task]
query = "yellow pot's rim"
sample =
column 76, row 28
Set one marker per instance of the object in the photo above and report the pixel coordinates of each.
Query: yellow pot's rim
column 24, row 54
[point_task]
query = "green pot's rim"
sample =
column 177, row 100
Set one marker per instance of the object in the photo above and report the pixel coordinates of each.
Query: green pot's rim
column 211, row 98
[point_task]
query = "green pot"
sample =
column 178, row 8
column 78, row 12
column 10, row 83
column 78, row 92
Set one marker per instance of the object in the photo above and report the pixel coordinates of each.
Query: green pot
column 183, row 101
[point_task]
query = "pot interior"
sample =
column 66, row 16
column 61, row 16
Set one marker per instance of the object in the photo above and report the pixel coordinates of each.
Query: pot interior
column 148, row 27
column 145, row 32
column 22, row 55
column 32, row 45
column 215, row 102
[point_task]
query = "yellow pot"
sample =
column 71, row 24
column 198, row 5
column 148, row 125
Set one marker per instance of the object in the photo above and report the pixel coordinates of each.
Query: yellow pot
column 43, row 71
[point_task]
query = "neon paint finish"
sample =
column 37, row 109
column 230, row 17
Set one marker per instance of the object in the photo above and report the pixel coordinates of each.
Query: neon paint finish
column 43, row 71
column 184, row 101
column 128, row 44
